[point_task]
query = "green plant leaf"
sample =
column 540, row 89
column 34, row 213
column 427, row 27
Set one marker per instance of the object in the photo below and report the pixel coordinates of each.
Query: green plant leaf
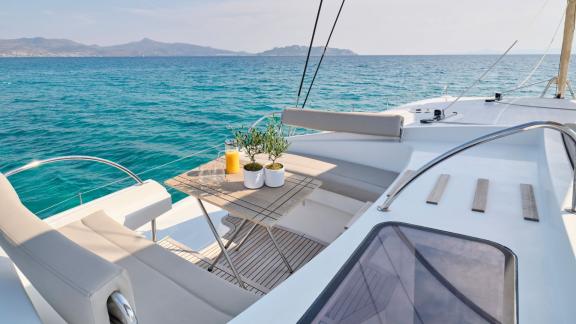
column 274, row 142
column 250, row 140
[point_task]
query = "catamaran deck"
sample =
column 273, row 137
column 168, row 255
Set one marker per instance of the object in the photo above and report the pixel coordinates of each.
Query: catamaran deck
column 257, row 260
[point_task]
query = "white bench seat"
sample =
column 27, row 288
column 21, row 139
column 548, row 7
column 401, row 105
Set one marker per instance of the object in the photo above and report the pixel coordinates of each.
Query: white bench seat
column 167, row 288
column 16, row 306
column 358, row 181
column 78, row 267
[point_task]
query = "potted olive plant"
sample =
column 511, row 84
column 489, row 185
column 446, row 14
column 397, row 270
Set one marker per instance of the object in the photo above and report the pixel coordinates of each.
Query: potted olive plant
column 252, row 142
column 274, row 145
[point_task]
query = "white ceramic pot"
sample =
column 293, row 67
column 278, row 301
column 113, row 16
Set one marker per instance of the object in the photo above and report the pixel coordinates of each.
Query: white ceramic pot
column 253, row 179
column 274, row 178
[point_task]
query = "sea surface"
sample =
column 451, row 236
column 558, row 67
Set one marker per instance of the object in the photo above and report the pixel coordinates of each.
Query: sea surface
column 146, row 112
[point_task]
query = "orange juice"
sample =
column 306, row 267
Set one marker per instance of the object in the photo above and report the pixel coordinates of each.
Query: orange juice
column 232, row 161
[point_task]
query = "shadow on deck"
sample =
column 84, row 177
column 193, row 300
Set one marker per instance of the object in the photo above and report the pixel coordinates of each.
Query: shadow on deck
column 257, row 260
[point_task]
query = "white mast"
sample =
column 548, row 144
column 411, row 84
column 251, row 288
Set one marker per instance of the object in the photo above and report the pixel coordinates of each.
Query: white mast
column 566, row 47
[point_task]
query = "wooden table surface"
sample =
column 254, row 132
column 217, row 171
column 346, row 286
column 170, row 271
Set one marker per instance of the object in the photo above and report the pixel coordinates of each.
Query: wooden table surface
column 264, row 205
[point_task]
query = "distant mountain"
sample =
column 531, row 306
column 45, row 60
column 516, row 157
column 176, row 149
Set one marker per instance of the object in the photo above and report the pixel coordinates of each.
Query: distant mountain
column 148, row 47
column 43, row 47
column 297, row 50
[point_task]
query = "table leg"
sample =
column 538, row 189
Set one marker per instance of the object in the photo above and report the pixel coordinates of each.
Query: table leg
column 228, row 244
column 237, row 247
column 222, row 248
column 278, row 249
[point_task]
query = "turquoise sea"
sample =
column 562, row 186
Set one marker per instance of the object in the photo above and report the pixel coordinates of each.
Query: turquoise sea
column 145, row 112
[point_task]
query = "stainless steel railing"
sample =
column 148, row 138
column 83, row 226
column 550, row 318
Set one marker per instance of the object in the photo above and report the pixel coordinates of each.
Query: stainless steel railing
column 131, row 174
column 261, row 119
column 35, row 164
column 120, row 310
column 80, row 196
column 481, row 140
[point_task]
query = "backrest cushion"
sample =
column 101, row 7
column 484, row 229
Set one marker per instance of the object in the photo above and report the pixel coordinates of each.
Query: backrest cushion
column 347, row 122
column 74, row 281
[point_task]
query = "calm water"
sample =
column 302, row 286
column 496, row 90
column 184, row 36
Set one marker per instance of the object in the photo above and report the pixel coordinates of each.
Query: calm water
column 144, row 112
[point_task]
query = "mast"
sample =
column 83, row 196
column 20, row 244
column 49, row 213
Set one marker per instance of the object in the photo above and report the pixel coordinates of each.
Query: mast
column 566, row 47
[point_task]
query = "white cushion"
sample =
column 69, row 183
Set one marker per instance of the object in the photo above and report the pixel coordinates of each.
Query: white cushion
column 167, row 288
column 385, row 125
column 17, row 308
column 133, row 206
column 76, row 282
column 361, row 182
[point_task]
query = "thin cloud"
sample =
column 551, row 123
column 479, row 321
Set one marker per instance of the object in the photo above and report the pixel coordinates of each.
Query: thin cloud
column 140, row 12
column 366, row 26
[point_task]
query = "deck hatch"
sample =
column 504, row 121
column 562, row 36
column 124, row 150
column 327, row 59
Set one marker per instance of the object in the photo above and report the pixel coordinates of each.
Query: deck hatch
column 407, row 274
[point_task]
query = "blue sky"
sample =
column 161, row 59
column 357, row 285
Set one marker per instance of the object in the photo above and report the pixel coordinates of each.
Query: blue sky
column 366, row 26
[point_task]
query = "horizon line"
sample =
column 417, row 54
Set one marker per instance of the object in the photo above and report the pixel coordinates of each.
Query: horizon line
column 250, row 53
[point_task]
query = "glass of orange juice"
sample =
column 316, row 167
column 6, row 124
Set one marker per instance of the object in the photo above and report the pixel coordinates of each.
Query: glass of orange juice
column 232, row 157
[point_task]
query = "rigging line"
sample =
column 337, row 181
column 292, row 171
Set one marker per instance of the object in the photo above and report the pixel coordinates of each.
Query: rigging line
column 309, row 51
column 536, row 15
column 57, row 204
column 463, row 93
column 127, row 178
column 532, row 22
column 525, row 86
column 323, row 53
column 154, row 168
column 537, row 66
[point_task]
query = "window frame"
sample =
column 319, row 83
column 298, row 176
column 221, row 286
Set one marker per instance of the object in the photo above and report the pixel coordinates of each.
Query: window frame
column 511, row 259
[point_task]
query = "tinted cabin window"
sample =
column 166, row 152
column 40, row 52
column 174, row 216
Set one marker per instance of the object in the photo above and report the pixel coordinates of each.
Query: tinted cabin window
column 405, row 274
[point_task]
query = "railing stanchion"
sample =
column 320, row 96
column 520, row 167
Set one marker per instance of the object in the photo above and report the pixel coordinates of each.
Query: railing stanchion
column 153, row 229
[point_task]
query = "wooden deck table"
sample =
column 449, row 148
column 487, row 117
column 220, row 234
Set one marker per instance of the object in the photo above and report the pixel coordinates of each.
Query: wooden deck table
column 263, row 206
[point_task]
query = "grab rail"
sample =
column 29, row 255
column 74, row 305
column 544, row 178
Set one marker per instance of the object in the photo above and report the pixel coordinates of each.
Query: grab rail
column 481, row 140
column 35, row 164
column 268, row 115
